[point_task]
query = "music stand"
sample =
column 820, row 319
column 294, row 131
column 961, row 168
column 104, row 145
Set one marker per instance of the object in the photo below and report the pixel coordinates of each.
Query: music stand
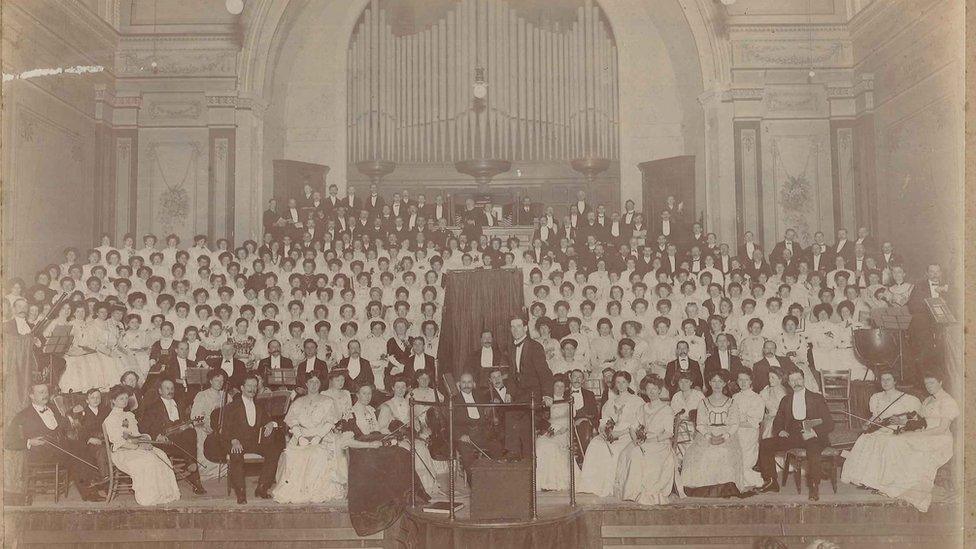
column 940, row 311
column 276, row 402
column 57, row 343
column 450, row 384
column 287, row 377
column 897, row 319
column 197, row 376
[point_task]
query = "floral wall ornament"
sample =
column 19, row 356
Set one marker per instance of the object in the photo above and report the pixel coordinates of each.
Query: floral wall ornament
column 174, row 201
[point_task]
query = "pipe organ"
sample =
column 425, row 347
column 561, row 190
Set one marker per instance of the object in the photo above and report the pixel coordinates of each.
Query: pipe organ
column 552, row 86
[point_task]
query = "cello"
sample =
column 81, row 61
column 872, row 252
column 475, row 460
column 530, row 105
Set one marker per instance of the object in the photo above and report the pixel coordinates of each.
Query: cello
column 215, row 448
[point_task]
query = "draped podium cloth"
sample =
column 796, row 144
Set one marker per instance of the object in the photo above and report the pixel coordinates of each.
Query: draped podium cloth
column 379, row 487
column 475, row 301
column 19, row 367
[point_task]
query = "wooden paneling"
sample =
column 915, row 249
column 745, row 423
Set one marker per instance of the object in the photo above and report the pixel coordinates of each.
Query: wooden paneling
column 668, row 176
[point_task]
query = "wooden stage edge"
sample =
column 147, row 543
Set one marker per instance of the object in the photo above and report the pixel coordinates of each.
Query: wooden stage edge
column 851, row 520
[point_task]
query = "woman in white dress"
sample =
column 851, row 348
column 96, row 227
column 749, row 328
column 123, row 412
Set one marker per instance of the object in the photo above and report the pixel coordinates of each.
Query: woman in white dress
column 153, row 479
column 136, row 344
column 342, row 397
column 621, row 411
column 393, row 414
column 905, row 465
column 712, row 466
column 89, row 363
column 684, row 405
column 308, row 471
column 861, row 466
column 771, row 395
column 752, row 410
column 645, row 471
column 204, row 403
column 552, row 446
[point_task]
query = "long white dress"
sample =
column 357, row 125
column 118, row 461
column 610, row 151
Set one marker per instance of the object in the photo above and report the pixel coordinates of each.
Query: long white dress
column 153, row 479
column 600, row 463
column 89, row 363
column 708, row 469
column 682, row 405
column 552, row 452
column 645, row 472
column 752, row 409
column 425, row 465
column 308, row 471
column 204, row 404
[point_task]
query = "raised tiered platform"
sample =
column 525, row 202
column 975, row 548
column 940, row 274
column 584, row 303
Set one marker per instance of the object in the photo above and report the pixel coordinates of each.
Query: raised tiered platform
column 852, row 518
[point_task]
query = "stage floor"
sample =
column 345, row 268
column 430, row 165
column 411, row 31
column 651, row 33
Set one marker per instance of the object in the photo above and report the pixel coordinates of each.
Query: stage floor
column 853, row 516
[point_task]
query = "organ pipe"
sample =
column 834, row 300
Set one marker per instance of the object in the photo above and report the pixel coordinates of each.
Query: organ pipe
column 552, row 87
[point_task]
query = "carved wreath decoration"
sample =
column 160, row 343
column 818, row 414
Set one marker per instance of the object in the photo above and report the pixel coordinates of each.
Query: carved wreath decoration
column 795, row 193
column 174, row 205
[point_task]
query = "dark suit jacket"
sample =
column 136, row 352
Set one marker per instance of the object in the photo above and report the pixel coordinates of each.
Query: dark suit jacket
column 237, row 378
column 410, row 371
column 374, row 209
column 590, row 409
column 816, row 409
column 264, row 365
column 713, row 364
column 155, row 419
column 760, row 371
column 235, row 424
column 522, row 217
column 91, row 422
column 28, row 424
column 464, row 425
column 498, row 358
column 780, row 247
column 532, row 375
column 320, row 370
column 671, row 375
column 847, row 251
column 365, row 374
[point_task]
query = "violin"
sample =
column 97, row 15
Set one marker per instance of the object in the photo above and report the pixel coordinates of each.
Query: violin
column 913, row 422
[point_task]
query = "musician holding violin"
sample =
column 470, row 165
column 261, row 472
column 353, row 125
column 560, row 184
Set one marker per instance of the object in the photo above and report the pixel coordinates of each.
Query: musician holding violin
column 153, row 478
column 901, row 456
column 44, row 433
column 168, row 424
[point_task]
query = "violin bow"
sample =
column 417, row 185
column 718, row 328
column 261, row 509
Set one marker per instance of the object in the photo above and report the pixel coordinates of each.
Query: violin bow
column 68, row 453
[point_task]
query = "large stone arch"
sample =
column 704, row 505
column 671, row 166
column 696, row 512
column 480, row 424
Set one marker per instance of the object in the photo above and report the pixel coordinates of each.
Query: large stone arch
column 297, row 93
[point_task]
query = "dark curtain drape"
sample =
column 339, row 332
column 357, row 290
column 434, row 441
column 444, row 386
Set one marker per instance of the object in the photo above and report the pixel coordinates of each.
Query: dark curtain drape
column 476, row 300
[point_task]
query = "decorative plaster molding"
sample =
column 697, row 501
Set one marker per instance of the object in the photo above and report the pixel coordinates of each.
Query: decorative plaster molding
column 222, row 101
column 164, row 110
column 786, row 28
column 791, row 53
column 182, row 63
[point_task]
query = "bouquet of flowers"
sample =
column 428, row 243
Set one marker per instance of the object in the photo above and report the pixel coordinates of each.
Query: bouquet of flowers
column 608, row 430
column 640, row 436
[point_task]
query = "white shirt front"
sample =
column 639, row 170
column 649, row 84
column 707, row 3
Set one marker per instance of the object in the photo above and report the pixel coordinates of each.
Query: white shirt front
column 750, row 248
column 473, row 412
column 800, row 405
column 519, row 345
column 181, row 363
column 487, row 357
column 47, row 416
column 723, row 359
column 577, row 395
column 419, row 362
column 275, row 362
column 171, row 410
column 309, row 364
column 354, row 367
column 227, row 366
column 250, row 411
column 666, row 227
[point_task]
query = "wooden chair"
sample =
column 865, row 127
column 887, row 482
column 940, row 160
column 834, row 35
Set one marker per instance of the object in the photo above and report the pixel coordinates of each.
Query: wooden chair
column 796, row 462
column 119, row 482
column 836, row 387
column 47, row 478
column 249, row 459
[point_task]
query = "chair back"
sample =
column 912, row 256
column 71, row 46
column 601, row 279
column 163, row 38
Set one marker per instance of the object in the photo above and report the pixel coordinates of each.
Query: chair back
column 118, row 480
column 836, row 385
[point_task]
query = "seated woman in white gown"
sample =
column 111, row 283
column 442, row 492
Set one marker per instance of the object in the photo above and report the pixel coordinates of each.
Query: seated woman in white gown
column 645, row 471
column 684, row 405
column 833, row 348
column 394, row 414
column 712, row 466
column 204, row 403
column 153, row 479
column 552, row 449
column 90, row 363
column 309, row 468
column 904, row 465
column 621, row 411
